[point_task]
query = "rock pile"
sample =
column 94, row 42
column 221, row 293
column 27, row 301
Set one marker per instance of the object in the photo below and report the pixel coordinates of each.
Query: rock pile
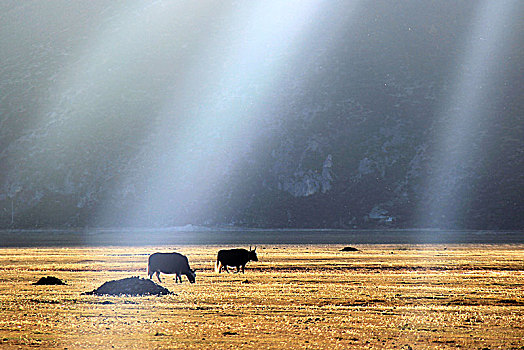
column 130, row 286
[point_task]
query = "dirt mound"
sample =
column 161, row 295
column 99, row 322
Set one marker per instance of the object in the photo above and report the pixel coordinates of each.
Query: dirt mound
column 49, row 281
column 349, row 249
column 130, row 286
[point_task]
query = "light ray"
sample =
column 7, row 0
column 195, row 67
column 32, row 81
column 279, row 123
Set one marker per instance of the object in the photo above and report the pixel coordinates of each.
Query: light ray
column 200, row 148
column 462, row 115
column 92, row 78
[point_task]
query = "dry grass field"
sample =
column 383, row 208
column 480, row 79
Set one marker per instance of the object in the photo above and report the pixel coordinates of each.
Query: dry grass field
column 295, row 297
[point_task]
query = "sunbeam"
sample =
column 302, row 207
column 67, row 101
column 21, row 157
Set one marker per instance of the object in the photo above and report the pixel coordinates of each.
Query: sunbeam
column 122, row 56
column 200, row 134
column 461, row 115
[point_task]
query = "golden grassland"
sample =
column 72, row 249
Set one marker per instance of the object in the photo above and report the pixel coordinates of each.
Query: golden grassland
column 295, row 297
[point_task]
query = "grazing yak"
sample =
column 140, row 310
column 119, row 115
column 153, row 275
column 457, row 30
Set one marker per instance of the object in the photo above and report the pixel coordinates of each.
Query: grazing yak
column 170, row 263
column 235, row 257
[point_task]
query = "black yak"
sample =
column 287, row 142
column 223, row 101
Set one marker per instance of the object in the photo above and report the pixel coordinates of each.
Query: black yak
column 235, row 257
column 170, row 263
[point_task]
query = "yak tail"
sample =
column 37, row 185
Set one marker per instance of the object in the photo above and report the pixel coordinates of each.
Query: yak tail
column 217, row 266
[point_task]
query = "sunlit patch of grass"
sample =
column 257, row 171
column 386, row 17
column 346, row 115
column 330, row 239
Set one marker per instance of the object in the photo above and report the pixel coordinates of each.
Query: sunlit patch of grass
column 296, row 296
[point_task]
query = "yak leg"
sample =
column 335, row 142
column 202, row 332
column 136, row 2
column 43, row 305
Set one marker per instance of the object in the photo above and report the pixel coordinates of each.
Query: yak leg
column 243, row 267
column 158, row 276
column 225, row 268
column 178, row 277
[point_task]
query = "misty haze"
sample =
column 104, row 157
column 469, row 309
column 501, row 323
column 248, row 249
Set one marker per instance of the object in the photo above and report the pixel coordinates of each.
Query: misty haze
column 336, row 114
